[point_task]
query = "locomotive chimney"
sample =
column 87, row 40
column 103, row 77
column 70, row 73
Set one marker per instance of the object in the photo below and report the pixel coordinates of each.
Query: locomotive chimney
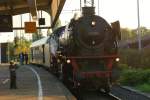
column 88, row 11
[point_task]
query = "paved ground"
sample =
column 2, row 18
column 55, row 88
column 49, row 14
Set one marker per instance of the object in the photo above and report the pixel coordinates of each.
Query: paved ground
column 28, row 85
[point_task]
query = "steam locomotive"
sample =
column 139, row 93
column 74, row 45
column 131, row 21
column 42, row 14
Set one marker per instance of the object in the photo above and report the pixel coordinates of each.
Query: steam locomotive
column 82, row 53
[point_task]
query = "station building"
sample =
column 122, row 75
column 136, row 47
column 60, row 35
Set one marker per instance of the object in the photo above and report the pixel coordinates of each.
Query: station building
column 5, row 39
column 3, row 53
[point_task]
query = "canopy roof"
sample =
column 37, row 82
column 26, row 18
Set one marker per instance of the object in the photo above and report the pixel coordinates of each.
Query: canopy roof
column 15, row 7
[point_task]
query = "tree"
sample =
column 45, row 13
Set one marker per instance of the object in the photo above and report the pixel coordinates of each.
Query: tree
column 144, row 31
column 58, row 24
column 132, row 33
column 18, row 46
column 49, row 31
column 36, row 36
column 126, row 33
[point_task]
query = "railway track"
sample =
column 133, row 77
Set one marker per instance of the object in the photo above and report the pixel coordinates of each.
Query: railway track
column 95, row 95
column 127, row 94
column 117, row 93
column 98, row 96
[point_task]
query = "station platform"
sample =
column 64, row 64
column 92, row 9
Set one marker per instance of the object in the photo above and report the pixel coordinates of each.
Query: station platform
column 33, row 83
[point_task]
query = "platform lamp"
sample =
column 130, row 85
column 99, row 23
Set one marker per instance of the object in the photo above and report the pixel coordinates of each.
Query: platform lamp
column 41, row 20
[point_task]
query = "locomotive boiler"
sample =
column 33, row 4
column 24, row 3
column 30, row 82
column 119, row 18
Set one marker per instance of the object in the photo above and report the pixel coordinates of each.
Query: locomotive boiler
column 84, row 52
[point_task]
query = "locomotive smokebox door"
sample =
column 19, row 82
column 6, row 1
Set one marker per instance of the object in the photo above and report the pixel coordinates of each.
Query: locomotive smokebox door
column 116, row 29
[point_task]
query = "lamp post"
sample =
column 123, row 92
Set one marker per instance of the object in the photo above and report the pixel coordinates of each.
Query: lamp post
column 138, row 30
column 98, row 7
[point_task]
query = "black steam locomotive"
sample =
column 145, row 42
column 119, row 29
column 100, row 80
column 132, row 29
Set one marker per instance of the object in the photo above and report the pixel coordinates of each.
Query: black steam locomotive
column 84, row 52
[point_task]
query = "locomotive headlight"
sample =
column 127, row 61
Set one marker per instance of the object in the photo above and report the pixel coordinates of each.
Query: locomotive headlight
column 68, row 61
column 117, row 59
column 93, row 23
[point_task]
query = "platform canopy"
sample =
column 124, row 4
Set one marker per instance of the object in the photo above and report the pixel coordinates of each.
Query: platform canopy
column 15, row 7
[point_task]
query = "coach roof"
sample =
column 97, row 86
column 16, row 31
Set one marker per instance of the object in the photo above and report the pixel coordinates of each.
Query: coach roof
column 40, row 42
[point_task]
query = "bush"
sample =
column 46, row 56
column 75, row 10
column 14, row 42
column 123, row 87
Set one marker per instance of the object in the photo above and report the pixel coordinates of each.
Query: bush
column 134, row 77
column 134, row 58
column 145, row 58
column 144, row 87
column 123, row 66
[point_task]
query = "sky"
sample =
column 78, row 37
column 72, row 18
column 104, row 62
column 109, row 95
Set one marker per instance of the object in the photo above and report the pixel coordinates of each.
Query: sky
column 111, row 10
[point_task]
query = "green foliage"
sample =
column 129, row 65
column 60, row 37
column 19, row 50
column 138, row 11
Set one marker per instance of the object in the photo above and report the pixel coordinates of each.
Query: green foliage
column 145, row 58
column 132, row 33
column 144, row 87
column 134, row 58
column 144, row 31
column 127, row 33
column 123, row 66
column 19, row 45
column 58, row 24
column 135, row 68
column 135, row 77
column 37, row 36
column 10, row 50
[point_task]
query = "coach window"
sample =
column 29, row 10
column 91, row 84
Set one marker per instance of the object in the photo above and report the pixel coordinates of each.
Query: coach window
column 43, row 54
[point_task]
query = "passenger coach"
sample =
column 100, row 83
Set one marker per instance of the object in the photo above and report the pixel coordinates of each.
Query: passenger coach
column 40, row 52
